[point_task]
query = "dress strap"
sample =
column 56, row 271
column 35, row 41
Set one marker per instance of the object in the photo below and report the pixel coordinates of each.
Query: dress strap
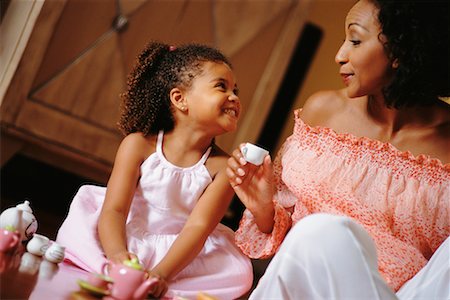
column 205, row 156
column 159, row 142
column 159, row 150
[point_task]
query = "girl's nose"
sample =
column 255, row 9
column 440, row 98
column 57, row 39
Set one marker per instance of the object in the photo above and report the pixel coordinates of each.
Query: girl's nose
column 341, row 56
column 233, row 97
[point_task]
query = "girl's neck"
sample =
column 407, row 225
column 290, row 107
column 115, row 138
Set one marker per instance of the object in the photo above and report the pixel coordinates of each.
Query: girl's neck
column 188, row 139
column 184, row 148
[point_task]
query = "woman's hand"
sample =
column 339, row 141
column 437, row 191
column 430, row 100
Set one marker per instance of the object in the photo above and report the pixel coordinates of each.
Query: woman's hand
column 254, row 186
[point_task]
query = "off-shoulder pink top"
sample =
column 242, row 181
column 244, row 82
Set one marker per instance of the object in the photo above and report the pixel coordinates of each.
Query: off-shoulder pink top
column 400, row 199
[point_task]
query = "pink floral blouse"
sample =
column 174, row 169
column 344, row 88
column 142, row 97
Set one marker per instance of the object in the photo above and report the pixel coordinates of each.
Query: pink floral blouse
column 402, row 201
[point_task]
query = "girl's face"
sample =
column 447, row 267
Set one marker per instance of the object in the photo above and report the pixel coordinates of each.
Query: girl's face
column 212, row 101
column 365, row 66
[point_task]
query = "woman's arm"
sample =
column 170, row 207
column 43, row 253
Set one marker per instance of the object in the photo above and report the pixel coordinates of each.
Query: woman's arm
column 119, row 194
column 255, row 187
column 207, row 213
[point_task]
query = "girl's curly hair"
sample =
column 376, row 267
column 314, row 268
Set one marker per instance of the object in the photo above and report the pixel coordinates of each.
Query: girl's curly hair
column 146, row 106
column 417, row 34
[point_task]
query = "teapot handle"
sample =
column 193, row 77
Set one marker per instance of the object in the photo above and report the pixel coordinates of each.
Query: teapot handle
column 105, row 267
column 15, row 240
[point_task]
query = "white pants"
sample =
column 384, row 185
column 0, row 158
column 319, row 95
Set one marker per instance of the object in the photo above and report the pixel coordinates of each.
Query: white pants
column 332, row 257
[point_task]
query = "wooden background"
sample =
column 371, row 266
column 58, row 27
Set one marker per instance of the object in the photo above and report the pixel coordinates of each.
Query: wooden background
column 61, row 103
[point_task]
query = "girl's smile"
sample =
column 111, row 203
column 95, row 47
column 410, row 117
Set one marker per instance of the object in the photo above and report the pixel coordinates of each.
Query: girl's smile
column 212, row 97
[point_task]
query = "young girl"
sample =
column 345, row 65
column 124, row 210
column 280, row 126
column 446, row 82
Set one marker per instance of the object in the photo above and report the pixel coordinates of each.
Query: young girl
column 168, row 189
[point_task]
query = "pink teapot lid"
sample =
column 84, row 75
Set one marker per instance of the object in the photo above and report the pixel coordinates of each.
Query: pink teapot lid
column 133, row 263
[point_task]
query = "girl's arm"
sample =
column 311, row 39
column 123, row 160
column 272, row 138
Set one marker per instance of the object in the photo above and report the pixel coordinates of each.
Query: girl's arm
column 207, row 213
column 119, row 194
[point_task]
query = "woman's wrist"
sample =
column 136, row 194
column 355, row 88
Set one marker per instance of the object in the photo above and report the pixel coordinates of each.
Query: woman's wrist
column 264, row 217
column 261, row 210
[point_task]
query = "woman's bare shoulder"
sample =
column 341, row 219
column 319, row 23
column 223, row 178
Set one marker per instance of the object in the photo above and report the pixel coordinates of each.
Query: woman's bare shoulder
column 321, row 106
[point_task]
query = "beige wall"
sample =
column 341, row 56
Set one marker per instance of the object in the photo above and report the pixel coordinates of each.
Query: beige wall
column 329, row 15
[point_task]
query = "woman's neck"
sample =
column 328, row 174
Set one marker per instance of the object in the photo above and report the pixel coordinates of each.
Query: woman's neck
column 394, row 120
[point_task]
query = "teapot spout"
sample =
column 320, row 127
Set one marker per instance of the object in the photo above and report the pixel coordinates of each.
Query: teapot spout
column 144, row 288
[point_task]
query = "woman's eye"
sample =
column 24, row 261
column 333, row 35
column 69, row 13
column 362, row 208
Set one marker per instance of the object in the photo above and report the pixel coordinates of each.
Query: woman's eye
column 355, row 42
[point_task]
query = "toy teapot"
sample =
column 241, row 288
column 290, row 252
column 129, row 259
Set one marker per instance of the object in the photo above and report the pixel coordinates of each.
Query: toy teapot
column 9, row 238
column 21, row 218
column 131, row 281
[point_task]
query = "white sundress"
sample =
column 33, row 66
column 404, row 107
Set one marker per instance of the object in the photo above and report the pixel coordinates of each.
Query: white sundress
column 164, row 198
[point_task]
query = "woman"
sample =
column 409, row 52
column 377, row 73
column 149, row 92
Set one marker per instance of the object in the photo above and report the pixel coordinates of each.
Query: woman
column 365, row 176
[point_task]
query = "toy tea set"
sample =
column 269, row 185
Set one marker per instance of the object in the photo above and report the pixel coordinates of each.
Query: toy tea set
column 126, row 281
column 19, row 225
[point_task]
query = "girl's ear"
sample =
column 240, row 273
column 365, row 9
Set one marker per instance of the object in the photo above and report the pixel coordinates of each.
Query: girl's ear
column 395, row 63
column 177, row 99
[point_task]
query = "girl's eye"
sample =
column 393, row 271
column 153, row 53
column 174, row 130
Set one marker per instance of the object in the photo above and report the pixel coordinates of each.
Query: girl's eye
column 355, row 42
column 221, row 85
column 236, row 91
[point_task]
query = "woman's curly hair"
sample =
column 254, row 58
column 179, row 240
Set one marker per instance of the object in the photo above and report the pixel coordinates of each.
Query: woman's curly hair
column 417, row 34
column 146, row 105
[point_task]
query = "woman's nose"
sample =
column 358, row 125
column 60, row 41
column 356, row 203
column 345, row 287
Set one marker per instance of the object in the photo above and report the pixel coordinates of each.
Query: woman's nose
column 341, row 56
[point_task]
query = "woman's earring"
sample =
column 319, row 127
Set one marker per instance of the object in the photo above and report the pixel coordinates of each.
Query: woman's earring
column 183, row 108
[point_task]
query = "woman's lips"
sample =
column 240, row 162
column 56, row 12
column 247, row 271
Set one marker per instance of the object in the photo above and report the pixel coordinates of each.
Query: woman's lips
column 346, row 78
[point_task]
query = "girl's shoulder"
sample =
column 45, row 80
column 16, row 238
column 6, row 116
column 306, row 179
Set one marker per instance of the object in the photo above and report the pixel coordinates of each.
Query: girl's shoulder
column 138, row 144
column 217, row 160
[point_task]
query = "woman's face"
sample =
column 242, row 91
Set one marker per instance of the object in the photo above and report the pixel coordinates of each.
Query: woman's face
column 365, row 66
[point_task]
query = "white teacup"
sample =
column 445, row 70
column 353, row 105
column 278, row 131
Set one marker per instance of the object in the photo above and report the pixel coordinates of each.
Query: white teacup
column 38, row 244
column 254, row 154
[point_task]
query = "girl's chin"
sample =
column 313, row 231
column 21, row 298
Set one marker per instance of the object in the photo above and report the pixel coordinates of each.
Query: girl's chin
column 230, row 128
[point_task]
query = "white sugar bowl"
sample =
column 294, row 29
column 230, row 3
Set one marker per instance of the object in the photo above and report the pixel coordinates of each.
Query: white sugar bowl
column 55, row 253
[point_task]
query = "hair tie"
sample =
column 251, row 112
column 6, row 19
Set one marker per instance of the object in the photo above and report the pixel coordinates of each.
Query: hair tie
column 172, row 48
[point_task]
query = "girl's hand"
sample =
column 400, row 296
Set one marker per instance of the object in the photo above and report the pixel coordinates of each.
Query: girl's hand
column 121, row 256
column 253, row 185
column 160, row 287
